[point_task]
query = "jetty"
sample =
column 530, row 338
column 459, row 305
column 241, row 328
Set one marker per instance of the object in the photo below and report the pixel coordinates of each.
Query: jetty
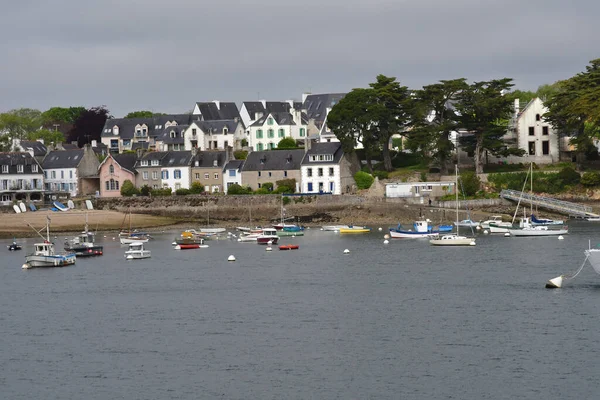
column 563, row 207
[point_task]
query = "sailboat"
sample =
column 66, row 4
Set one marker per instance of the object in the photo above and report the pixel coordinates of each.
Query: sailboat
column 454, row 239
column 212, row 231
column 129, row 236
column 283, row 227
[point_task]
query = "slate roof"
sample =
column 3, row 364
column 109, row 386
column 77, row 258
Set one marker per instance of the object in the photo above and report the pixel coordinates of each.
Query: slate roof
column 62, row 159
column 18, row 158
column 253, row 107
column 69, row 146
column 273, row 160
column 100, row 148
column 152, row 155
column 282, row 118
column 166, row 159
column 316, row 106
column 269, row 107
column 140, row 145
column 39, row 148
column 126, row 161
column 216, row 127
column 234, row 164
column 334, row 148
column 165, row 135
column 155, row 125
column 211, row 112
column 206, row 159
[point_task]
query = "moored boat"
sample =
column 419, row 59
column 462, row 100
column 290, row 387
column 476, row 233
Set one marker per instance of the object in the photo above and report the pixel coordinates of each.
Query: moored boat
column 421, row 230
column 84, row 245
column 14, row 246
column 466, row 223
column 268, row 236
column 355, row 229
column 543, row 221
column 137, row 251
column 45, row 255
column 290, row 233
column 453, row 240
column 334, row 227
column 289, row 247
column 527, row 229
column 189, row 246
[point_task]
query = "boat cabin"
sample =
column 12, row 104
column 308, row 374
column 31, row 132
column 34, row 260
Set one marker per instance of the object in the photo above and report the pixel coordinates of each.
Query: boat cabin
column 136, row 247
column 269, row 232
column 44, row 249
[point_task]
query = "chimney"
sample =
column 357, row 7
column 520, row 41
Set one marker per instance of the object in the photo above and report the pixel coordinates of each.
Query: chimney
column 94, row 143
column 215, row 163
column 218, row 104
column 139, row 152
column 264, row 103
column 306, row 144
column 517, row 106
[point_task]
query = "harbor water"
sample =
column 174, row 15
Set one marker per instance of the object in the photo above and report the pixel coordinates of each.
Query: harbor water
column 404, row 320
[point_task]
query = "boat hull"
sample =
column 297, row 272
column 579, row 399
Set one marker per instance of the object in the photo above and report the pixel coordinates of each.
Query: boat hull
column 290, row 233
column 130, row 240
column 38, row 261
column 188, row 246
column 396, row 234
column 593, row 256
column 495, row 228
column 537, row 232
column 267, row 239
column 86, row 251
column 137, row 255
column 355, row 230
column 333, row 228
column 453, row 241
column 289, row 247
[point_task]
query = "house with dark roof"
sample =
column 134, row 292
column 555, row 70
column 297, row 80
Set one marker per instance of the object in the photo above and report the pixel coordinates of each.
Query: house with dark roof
column 36, row 148
column 232, row 174
column 113, row 171
column 21, row 178
column 261, row 167
column 215, row 110
column 148, row 168
column 325, row 169
column 266, row 132
column 164, row 169
column 317, row 107
column 253, row 110
column 207, row 168
column 214, row 135
column 171, row 138
column 71, row 172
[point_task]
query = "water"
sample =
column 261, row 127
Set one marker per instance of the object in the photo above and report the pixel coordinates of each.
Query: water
column 405, row 320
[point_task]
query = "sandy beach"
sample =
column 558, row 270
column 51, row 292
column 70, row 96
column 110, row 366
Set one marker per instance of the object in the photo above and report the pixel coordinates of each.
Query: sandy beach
column 74, row 220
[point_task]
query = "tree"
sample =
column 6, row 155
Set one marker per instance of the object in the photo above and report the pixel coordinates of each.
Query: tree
column 49, row 137
column 287, row 143
column 363, row 180
column 19, row 123
column 89, row 126
column 128, row 189
column 435, row 120
column 196, row 187
column 62, row 114
column 140, row 114
column 483, row 112
column 469, row 183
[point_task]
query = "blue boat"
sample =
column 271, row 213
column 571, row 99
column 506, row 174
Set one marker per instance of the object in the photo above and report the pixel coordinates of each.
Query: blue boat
column 421, row 229
column 544, row 221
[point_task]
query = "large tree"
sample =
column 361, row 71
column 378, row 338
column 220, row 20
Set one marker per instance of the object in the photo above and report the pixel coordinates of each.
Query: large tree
column 484, row 112
column 17, row 124
column 89, row 126
column 435, row 120
column 56, row 115
column 140, row 114
column 49, row 137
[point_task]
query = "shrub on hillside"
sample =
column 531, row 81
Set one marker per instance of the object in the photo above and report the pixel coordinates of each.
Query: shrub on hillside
column 363, row 180
column 469, row 183
column 590, row 179
column 237, row 189
column 128, row 189
column 283, row 189
column 286, row 200
column 569, row 176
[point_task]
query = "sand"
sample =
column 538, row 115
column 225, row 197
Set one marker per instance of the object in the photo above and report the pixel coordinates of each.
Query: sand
column 74, row 221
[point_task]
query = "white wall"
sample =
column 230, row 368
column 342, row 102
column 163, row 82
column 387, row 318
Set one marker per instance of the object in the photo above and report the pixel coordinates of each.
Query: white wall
column 8, row 181
column 292, row 131
column 326, row 179
column 231, row 180
column 62, row 177
column 528, row 119
column 184, row 181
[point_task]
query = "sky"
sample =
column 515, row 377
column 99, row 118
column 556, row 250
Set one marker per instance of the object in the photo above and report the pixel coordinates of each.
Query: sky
column 165, row 56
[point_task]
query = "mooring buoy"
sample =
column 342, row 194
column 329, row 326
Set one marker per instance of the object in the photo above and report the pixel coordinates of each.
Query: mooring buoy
column 555, row 283
column 231, row 258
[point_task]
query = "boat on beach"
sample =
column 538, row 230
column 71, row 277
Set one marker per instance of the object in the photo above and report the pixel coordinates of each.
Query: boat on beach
column 45, row 255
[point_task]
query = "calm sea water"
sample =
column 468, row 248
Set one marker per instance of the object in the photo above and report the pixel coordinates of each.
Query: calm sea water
column 399, row 321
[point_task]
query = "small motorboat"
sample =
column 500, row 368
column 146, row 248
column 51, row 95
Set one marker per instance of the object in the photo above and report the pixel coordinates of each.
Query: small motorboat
column 14, row 246
column 289, row 247
column 136, row 251
column 355, row 229
column 467, row 223
column 190, row 246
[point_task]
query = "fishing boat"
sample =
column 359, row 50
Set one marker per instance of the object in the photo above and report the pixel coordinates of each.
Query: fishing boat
column 544, row 221
column 454, row 239
column 268, row 236
column 45, row 255
column 83, row 245
column 334, row 228
column 355, row 229
column 289, row 247
column 421, row 230
column 14, row 246
column 136, row 251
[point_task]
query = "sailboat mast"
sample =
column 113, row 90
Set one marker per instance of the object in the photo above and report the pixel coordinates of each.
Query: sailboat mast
column 531, row 191
column 456, row 191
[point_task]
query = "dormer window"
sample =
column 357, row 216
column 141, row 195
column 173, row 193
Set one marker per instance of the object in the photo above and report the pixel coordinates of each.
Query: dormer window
column 270, row 121
column 144, row 163
column 154, row 163
column 5, row 169
column 173, row 134
column 115, row 130
column 34, row 168
column 20, row 169
column 225, row 131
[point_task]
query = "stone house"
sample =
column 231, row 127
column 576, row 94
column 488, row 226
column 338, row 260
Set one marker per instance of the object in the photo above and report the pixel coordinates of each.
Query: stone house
column 207, row 168
column 270, row 166
column 21, row 178
column 71, row 172
column 325, row 169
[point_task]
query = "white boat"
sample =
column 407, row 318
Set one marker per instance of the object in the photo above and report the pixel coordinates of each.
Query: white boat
column 251, row 237
column 454, row 239
column 527, row 229
column 593, row 255
column 593, row 219
column 500, row 227
column 333, row 228
column 133, row 239
column 212, row 230
column 44, row 254
column 136, row 251
column 421, row 230
column 493, row 219
column 268, row 236
column 545, row 221
column 466, row 223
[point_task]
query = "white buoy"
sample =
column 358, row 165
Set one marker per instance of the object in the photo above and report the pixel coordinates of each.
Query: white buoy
column 561, row 237
column 506, row 234
column 113, row 238
column 485, row 232
column 239, row 239
column 104, row 235
column 174, row 243
column 386, row 236
column 270, row 242
column 380, row 229
column 269, row 248
column 386, row 241
column 472, row 244
column 26, row 266
column 478, row 227
column 321, row 228
column 346, row 251
column 231, row 258
column 178, row 247
column 555, row 283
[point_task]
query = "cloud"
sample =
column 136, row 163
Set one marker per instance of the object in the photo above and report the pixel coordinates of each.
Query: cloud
column 135, row 54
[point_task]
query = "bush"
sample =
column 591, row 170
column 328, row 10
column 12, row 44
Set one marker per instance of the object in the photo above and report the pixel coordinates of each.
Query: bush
column 182, row 192
column 286, row 200
column 240, row 154
column 268, row 186
column 196, row 187
column 290, row 184
column 262, row 190
column 145, row 190
column 380, row 174
column 244, row 142
column 161, row 192
column 237, row 189
column 283, row 189
column 287, row 143
column 569, row 176
column 590, row 179
column 363, row 180
column 128, row 189
column 469, row 183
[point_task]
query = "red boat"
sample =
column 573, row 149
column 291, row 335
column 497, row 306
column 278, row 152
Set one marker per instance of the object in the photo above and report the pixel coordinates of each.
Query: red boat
column 187, row 246
column 268, row 235
column 289, row 247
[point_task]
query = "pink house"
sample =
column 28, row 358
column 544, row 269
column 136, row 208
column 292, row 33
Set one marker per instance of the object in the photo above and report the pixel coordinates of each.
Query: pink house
column 113, row 171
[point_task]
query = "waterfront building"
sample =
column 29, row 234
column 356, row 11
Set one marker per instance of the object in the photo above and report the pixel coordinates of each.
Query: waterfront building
column 261, row 167
column 164, row 170
column 325, row 169
column 21, row 178
column 71, row 172
column 232, row 174
column 113, row 171
column 207, row 168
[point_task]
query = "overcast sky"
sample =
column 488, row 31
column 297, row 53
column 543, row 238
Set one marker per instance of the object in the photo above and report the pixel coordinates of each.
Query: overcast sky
column 166, row 55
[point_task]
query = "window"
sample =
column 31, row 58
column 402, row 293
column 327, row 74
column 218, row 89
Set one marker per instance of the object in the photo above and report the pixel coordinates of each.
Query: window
column 206, row 175
column 545, row 147
column 310, row 187
column 259, row 134
column 281, row 133
column 110, row 185
column 114, row 143
column 70, row 174
column 232, row 173
column 19, row 169
column 5, row 169
column 269, row 174
column 544, row 130
column 144, row 163
column 259, row 185
column 225, row 131
column 225, row 144
column 271, row 146
column 270, row 133
column 270, row 121
column 177, row 174
column 309, row 172
column 111, row 169
column 531, row 131
column 285, row 173
column 62, row 174
column 154, row 163
column 53, row 174
column 107, row 185
column 320, row 172
column 154, row 175
column 331, row 172
column 259, row 147
column 165, row 174
column 301, row 132
column 216, row 176
column 537, row 117
column 197, row 176
column 145, row 175
column 331, row 186
column 193, row 131
column 532, row 148
column 34, row 168
column 177, row 186
column 259, row 174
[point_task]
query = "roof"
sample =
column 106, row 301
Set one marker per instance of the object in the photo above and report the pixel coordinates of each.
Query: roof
column 216, row 127
column 234, row 164
column 165, row 135
column 212, row 111
column 334, row 148
column 282, row 118
column 126, row 161
column 62, row 159
column 155, row 124
column 206, row 159
column 69, row 146
column 166, row 159
column 18, row 158
column 39, row 148
column 316, row 106
column 274, row 160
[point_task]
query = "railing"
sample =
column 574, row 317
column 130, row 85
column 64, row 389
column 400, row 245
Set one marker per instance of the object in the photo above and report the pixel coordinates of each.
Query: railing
column 565, row 207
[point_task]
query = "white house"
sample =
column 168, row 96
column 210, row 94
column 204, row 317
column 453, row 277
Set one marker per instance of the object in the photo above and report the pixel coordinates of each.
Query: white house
column 232, row 174
column 214, row 135
column 21, row 177
column 324, row 169
column 175, row 170
column 266, row 132
column 71, row 171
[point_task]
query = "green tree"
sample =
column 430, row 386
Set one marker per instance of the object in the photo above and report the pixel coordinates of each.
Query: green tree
column 240, row 154
column 140, row 114
column 19, row 123
column 484, row 111
column 469, row 183
column 237, row 189
column 287, row 143
column 363, row 180
column 435, row 120
column 62, row 114
column 196, row 187
column 128, row 189
column 590, row 179
column 49, row 137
